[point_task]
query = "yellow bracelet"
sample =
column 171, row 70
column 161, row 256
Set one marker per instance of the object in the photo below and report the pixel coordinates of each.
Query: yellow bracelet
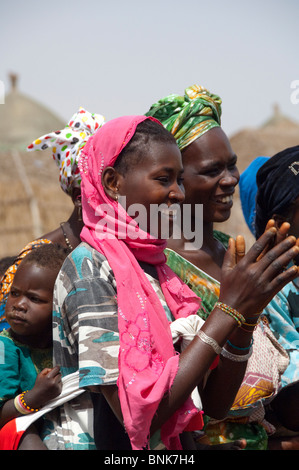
column 19, row 407
column 31, row 410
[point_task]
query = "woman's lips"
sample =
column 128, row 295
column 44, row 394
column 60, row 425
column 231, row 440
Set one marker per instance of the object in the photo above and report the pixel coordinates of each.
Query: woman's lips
column 224, row 199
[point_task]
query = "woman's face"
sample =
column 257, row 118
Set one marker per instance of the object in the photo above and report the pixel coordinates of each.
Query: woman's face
column 211, row 175
column 156, row 180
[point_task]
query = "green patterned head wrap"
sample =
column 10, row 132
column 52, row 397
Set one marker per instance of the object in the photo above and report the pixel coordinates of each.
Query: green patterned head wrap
column 190, row 116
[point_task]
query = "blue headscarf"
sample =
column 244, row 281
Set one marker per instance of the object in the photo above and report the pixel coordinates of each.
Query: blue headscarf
column 248, row 190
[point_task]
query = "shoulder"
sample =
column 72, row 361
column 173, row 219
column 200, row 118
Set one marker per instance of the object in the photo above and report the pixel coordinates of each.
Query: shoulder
column 9, row 349
column 86, row 262
column 6, row 338
column 84, row 270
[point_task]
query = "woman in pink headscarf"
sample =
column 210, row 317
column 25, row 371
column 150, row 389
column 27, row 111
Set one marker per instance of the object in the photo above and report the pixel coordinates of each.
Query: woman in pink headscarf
column 117, row 304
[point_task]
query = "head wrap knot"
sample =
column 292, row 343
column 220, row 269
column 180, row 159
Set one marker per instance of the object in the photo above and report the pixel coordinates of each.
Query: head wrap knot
column 67, row 144
column 190, row 116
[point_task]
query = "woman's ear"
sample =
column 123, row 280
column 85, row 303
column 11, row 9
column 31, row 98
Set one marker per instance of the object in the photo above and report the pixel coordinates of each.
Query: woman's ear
column 111, row 181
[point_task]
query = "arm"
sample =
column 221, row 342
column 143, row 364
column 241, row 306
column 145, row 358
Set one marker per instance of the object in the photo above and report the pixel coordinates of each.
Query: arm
column 265, row 278
column 47, row 386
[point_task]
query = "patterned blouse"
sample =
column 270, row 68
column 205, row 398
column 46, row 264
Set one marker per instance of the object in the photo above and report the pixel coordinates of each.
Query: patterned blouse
column 85, row 338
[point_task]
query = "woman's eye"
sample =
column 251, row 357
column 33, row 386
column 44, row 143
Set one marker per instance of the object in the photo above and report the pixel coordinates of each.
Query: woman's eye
column 163, row 179
column 232, row 167
column 211, row 173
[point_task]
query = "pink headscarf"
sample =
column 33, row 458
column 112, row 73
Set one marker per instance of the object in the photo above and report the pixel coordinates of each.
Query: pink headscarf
column 148, row 362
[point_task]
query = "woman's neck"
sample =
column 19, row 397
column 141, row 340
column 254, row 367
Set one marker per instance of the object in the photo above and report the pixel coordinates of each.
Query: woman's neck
column 70, row 229
column 208, row 256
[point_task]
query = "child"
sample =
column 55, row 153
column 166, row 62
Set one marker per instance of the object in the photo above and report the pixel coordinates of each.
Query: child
column 27, row 379
column 115, row 295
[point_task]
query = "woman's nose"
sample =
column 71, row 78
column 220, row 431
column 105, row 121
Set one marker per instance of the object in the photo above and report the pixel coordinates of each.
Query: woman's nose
column 177, row 193
column 229, row 178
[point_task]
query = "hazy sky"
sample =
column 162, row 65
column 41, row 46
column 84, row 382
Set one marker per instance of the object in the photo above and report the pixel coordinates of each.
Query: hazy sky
column 117, row 57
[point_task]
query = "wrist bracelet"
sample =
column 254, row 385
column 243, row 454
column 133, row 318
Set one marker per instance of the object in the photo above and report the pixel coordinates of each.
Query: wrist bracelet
column 231, row 311
column 210, row 341
column 236, row 357
column 237, row 347
column 31, row 410
column 249, row 329
column 19, row 407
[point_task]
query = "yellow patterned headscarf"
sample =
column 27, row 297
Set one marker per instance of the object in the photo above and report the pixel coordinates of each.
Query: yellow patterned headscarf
column 190, row 116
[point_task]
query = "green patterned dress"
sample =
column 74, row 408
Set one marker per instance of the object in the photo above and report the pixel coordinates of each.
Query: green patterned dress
column 234, row 427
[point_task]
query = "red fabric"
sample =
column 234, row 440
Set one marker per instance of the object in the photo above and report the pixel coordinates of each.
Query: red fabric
column 9, row 436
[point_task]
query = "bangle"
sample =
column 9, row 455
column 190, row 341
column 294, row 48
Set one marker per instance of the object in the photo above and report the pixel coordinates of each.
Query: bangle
column 236, row 357
column 19, row 407
column 210, row 341
column 251, row 324
column 249, row 330
column 237, row 347
column 26, row 407
column 232, row 312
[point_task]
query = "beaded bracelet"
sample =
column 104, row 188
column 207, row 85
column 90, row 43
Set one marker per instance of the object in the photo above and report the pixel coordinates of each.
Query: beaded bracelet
column 236, row 357
column 24, row 405
column 232, row 312
column 210, row 341
column 19, row 407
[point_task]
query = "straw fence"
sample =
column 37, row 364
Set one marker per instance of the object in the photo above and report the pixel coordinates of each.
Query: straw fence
column 31, row 200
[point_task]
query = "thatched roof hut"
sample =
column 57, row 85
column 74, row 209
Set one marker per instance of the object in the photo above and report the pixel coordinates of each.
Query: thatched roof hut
column 276, row 134
column 31, row 200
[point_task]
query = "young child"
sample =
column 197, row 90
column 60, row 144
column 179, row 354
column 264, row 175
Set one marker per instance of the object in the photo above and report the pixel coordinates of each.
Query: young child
column 27, row 379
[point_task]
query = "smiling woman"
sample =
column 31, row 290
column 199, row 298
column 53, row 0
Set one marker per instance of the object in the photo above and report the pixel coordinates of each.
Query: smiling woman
column 210, row 171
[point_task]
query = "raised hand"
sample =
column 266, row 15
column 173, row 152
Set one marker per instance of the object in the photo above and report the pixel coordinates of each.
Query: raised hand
column 250, row 281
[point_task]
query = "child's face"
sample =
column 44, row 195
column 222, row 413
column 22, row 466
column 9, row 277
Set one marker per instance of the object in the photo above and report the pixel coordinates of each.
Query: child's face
column 29, row 304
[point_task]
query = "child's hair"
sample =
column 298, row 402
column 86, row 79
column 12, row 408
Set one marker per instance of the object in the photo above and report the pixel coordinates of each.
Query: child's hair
column 146, row 132
column 5, row 263
column 49, row 255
